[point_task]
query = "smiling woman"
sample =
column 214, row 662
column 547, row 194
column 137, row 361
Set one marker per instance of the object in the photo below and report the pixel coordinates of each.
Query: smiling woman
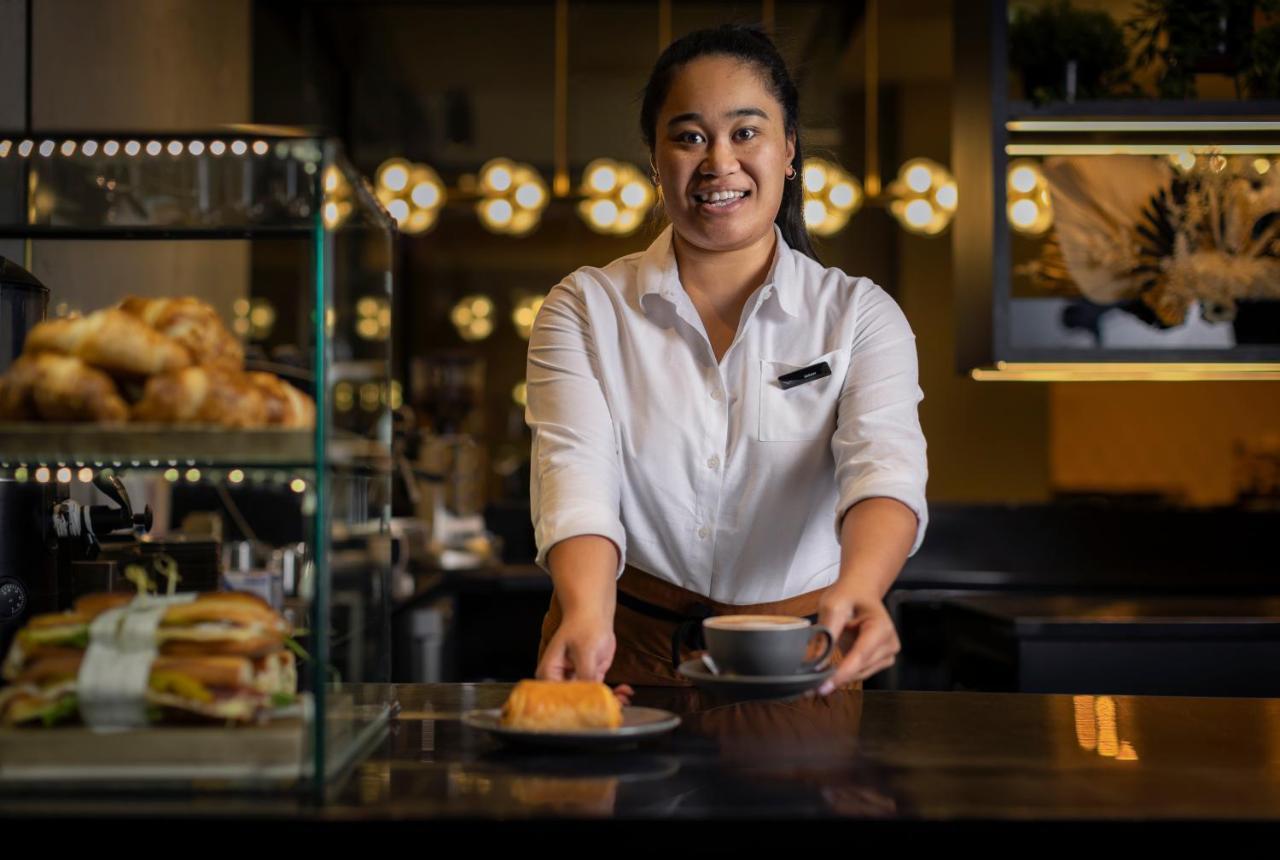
column 721, row 119
column 720, row 424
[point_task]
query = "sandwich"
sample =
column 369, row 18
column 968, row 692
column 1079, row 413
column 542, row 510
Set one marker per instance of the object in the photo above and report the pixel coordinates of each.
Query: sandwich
column 221, row 688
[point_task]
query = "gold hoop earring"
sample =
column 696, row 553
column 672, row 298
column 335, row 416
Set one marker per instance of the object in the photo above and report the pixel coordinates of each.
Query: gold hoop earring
column 791, row 173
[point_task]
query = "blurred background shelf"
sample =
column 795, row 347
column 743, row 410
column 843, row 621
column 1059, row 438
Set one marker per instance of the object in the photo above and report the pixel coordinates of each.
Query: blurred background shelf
column 140, row 445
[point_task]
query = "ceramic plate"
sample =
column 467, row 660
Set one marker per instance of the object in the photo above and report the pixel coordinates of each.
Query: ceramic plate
column 637, row 724
column 753, row 686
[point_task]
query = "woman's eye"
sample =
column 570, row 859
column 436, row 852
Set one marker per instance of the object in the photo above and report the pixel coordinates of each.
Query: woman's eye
column 688, row 137
column 747, row 133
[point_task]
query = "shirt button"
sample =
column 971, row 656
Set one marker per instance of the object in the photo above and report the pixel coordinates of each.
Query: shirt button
column 713, row 463
column 715, row 394
column 704, row 532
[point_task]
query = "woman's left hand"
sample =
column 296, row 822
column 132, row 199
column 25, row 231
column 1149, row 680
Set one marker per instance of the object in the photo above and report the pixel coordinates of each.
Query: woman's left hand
column 875, row 645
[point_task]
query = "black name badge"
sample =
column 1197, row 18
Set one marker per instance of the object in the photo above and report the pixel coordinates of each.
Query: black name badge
column 804, row 374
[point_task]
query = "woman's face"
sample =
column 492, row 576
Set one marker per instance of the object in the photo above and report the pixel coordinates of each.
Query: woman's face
column 721, row 130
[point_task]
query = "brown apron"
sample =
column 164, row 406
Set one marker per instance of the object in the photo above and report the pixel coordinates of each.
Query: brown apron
column 644, row 643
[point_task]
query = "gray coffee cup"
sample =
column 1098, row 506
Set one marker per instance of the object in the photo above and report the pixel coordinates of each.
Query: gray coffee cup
column 764, row 644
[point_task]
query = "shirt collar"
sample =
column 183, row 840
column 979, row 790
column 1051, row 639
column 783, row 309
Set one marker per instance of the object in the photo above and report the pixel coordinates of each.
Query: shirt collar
column 658, row 274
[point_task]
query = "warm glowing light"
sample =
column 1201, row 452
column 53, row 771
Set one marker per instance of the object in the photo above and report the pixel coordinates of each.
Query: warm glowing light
column 472, row 317
column 175, row 147
column 925, row 197
column 616, row 197
column 154, row 148
column 5, row 146
column 196, row 147
column 831, row 196
column 603, row 179
column 919, row 178
column 46, row 148
column 529, row 196
column 235, row 476
column 1022, row 179
column 919, row 213
column 842, row 195
column 85, row 475
column 399, row 210
column 499, row 212
column 1023, row 213
column 260, row 147
column 520, row 393
column 498, row 178
column 193, row 475
column 1261, row 166
column 426, row 195
column 815, row 177
column 525, row 313
column 814, row 213
column 1029, row 210
column 393, row 174
column 171, row 475
column 42, row 475
column 64, row 475
column 68, row 148
column 604, row 212
column 298, row 485
column 239, row 147
column 947, row 196
column 635, row 195
column 218, row 147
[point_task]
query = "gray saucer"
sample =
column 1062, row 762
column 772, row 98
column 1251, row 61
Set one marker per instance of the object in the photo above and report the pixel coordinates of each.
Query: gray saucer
column 753, row 686
column 637, row 724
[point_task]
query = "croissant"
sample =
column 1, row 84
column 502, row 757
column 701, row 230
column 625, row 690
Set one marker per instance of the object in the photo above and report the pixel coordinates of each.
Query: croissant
column 286, row 405
column 561, row 705
column 192, row 323
column 59, row 388
column 110, row 340
column 202, row 395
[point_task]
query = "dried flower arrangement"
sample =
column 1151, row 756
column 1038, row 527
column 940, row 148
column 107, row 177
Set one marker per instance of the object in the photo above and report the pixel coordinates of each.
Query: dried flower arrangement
column 1140, row 233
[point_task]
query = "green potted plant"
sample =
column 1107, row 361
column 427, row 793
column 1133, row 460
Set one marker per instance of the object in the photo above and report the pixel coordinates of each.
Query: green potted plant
column 1065, row 54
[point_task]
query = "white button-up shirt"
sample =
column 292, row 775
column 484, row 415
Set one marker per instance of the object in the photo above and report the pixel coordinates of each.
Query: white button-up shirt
column 708, row 474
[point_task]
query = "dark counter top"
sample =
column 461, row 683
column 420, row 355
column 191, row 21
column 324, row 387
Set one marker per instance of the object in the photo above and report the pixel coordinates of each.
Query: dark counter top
column 906, row 757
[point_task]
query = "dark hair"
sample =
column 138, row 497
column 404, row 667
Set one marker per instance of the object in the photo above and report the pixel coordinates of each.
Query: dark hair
column 751, row 45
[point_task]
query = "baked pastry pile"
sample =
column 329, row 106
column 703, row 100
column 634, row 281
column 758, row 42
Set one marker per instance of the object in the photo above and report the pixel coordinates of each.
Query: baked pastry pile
column 169, row 361
column 561, row 706
column 220, row 657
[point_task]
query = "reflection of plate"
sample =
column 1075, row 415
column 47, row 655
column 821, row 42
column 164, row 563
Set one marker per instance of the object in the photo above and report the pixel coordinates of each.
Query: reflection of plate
column 637, row 724
column 624, row 767
column 753, row 686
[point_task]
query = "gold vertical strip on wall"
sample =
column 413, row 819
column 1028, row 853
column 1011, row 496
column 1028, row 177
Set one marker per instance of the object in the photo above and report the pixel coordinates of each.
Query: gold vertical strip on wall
column 560, row 182
column 871, row 183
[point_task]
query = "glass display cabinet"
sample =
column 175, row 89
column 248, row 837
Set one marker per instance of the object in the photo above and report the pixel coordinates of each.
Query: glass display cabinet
column 273, row 230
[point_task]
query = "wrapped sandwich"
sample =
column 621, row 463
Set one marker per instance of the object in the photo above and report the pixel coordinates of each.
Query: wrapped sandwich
column 221, row 656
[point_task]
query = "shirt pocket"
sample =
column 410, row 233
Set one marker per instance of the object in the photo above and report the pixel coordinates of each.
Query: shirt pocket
column 804, row 412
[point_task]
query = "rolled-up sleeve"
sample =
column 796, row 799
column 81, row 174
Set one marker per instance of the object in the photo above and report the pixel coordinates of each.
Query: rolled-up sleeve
column 878, row 445
column 575, row 479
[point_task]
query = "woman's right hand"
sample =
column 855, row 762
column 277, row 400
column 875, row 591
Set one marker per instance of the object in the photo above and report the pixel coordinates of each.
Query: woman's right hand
column 581, row 649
